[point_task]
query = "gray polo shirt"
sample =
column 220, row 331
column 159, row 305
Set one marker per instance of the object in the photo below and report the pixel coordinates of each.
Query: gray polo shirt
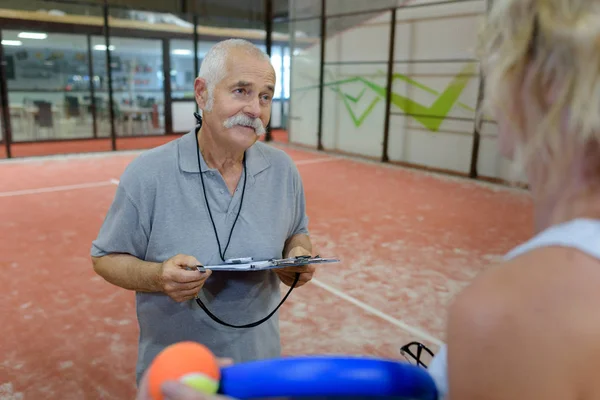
column 159, row 211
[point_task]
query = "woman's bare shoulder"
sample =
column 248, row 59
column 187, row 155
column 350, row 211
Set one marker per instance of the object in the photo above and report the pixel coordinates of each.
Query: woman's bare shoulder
column 527, row 328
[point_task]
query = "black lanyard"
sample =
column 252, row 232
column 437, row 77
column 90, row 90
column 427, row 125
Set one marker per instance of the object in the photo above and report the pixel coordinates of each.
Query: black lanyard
column 222, row 253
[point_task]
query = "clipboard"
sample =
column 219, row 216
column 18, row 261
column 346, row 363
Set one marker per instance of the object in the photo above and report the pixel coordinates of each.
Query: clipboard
column 249, row 264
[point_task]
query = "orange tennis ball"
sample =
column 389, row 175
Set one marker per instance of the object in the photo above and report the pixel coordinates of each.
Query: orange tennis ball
column 187, row 362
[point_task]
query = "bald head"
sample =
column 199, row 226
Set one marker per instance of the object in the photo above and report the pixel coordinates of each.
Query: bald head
column 216, row 63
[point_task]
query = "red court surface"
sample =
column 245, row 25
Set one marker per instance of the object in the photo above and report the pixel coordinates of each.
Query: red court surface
column 408, row 241
column 65, row 146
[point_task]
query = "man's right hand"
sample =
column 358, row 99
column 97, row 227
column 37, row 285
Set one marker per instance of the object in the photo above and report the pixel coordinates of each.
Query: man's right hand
column 180, row 279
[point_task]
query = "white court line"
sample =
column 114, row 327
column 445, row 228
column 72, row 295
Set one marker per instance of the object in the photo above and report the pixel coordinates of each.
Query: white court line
column 55, row 189
column 376, row 312
column 317, row 160
column 112, row 182
column 67, row 157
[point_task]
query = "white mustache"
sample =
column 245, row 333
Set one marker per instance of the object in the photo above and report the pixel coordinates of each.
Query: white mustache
column 244, row 120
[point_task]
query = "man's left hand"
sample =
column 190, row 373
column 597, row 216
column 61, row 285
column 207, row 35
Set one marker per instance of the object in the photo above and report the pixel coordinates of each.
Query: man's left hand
column 288, row 274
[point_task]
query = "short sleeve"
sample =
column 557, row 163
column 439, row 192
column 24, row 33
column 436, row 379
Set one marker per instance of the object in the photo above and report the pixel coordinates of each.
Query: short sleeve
column 123, row 229
column 300, row 223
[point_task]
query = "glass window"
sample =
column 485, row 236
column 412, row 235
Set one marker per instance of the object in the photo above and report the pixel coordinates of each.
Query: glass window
column 280, row 58
column 182, row 69
column 277, row 62
column 48, row 85
column 286, row 72
column 183, row 75
column 137, row 83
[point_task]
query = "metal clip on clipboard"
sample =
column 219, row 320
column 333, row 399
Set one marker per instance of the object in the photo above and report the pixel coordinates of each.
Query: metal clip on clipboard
column 248, row 263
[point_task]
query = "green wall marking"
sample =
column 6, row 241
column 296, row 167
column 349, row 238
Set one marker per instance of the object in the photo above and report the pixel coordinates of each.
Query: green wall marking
column 431, row 117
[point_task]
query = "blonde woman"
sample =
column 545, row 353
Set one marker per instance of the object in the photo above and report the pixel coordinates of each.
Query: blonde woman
column 529, row 328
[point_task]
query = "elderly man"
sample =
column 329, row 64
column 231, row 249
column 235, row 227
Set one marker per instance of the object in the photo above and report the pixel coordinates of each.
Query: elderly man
column 214, row 194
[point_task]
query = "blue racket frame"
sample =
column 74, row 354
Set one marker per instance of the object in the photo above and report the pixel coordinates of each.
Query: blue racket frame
column 327, row 377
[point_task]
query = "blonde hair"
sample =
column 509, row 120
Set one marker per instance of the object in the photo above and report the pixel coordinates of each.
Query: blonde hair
column 541, row 65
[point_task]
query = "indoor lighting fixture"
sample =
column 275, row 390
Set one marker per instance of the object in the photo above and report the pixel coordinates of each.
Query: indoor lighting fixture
column 32, row 35
column 182, row 52
column 11, row 43
column 102, row 47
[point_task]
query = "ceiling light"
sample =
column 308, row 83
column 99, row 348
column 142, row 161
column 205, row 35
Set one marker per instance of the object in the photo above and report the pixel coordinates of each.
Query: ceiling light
column 11, row 43
column 182, row 52
column 32, row 35
column 102, row 47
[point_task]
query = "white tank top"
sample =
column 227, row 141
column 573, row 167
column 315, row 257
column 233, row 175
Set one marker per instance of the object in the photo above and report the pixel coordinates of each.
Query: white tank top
column 581, row 234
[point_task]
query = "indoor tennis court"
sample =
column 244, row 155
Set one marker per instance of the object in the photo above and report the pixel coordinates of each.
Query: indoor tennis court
column 378, row 103
column 408, row 241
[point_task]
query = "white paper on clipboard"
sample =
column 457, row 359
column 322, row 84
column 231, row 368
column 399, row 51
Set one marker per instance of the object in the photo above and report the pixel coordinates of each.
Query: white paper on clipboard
column 268, row 264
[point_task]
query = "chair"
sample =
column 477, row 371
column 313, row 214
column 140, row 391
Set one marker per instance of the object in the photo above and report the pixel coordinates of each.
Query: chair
column 72, row 106
column 44, row 117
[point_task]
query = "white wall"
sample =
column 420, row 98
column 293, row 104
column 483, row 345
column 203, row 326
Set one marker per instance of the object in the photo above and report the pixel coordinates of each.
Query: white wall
column 436, row 75
column 304, row 96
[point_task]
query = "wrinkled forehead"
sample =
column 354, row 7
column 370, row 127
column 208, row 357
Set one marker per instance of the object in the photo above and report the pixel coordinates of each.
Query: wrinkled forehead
column 251, row 69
